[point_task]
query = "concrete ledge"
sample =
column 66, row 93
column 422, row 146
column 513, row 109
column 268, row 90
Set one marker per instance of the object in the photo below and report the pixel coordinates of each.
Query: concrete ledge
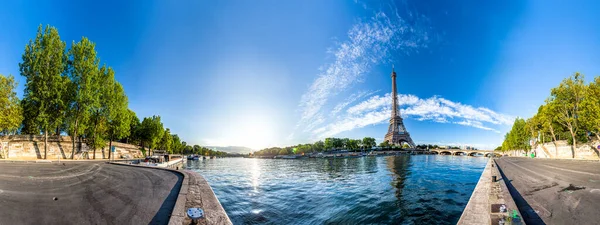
column 200, row 194
column 477, row 210
column 488, row 193
column 194, row 192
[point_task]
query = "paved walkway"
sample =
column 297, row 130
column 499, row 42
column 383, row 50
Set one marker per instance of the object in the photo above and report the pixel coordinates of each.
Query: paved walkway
column 554, row 191
column 85, row 193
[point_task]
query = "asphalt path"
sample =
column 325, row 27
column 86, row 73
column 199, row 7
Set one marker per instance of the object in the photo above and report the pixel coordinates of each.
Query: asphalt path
column 85, row 193
column 551, row 191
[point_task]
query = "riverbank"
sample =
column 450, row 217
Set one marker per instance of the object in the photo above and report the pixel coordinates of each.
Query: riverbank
column 491, row 201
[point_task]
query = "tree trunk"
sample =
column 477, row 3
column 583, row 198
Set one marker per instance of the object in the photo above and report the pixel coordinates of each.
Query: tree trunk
column 594, row 147
column 110, row 147
column 94, row 144
column 574, row 147
column 73, row 139
column 80, row 147
column 554, row 142
column 45, row 142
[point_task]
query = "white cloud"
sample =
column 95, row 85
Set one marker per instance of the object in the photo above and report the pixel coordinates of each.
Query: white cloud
column 350, row 100
column 368, row 44
column 377, row 109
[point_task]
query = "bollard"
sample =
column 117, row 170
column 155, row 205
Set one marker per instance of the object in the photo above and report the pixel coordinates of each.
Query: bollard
column 493, row 178
column 195, row 214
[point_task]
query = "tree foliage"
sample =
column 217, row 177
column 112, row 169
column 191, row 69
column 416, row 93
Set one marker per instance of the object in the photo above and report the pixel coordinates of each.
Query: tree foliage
column 43, row 67
column 569, row 113
column 68, row 91
column 11, row 114
column 151, row 131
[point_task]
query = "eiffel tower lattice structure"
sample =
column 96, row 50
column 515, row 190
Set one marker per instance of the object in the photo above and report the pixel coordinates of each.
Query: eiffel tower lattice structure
column 397, row 133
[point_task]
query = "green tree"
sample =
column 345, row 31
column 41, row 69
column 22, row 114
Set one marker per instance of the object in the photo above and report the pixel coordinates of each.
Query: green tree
column 518, row 137
column 329, row 143
column 166, row 141
column 351, row 144
column 176, row 145
column 43, row 65
column 11, row 114
column 369, row 142
column 197, row 150
column 546, row 120
column 567, row 98
column 384, row 144
column 134, row 128
column 188, row 149
column 118, row 114
column 319, row 146
column 533, row 127
column 344, row 143
column 151, row 132
column 283, row 152
column 590, row 108
column 84, row 75
column 405, row 146
column 104, row 89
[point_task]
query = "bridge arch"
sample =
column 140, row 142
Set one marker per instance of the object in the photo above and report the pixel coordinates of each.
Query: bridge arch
column 459, row 153
column 445, row 153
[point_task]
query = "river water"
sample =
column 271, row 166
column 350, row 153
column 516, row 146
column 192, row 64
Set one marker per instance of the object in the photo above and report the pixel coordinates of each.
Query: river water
column 417, row 189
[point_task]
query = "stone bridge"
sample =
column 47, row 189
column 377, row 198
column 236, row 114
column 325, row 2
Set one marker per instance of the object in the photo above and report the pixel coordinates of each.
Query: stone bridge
column 486, row 153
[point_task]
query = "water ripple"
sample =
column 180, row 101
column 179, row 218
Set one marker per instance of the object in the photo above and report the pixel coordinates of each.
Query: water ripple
column 424, row 189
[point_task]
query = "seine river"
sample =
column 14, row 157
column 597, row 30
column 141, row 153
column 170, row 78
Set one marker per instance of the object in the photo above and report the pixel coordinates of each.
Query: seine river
column 418, row 189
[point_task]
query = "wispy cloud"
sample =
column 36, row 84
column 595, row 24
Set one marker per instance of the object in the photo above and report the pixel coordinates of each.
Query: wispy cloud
column 377, row 109
column 368, row 44
column 350, row 100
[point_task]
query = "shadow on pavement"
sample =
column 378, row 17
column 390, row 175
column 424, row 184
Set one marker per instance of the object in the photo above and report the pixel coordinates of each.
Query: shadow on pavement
column 166, row 208
column 529, row 215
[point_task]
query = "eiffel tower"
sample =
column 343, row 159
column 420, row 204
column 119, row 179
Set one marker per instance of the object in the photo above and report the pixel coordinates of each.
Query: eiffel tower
column 397, row 132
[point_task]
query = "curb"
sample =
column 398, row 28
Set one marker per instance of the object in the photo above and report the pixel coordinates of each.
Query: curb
column 509, row 200
column 202, row 195
column 487, row 195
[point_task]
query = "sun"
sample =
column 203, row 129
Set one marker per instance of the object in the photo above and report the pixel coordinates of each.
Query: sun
column 255, row 131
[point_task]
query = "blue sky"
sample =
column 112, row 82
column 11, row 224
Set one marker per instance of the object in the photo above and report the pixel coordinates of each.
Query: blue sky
column 275, row 73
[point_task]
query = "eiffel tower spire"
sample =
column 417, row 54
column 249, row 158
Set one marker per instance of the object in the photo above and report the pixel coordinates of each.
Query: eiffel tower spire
column 394, row 95
column 396, row 131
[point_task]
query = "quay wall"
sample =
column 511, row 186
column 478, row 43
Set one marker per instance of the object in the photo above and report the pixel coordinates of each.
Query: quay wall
column 24, row 147
column 486, row 198
column 562, row 150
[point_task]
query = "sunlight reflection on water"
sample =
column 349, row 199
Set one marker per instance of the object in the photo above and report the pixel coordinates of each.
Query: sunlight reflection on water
column 423, row 189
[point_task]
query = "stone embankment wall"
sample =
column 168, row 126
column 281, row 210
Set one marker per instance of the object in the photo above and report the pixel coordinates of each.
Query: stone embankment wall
column 32, row 147
column 562, row 150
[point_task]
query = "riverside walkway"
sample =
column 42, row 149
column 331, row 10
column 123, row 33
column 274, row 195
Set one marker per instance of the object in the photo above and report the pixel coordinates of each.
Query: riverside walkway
column 551, row 191
column 86, row 193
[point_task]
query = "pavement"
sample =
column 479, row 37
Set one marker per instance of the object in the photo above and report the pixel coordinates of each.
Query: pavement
column 85, row 193
column 549, row 191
